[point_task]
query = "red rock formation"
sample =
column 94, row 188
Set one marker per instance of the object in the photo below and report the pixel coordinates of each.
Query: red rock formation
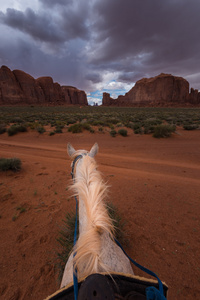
column 74, row 96
column 162, row 90
column 10, row 91
column 18, row 87
column 52, row 91
column 32, row 92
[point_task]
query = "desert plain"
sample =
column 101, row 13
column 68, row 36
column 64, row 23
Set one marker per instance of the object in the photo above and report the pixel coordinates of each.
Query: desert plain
column 154, row 183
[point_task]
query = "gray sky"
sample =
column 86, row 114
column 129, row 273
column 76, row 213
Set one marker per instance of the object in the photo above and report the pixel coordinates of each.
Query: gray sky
column 101, row 45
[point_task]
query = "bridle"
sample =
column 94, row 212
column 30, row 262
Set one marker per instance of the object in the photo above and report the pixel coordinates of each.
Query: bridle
column 76, row 160
column 74, row 164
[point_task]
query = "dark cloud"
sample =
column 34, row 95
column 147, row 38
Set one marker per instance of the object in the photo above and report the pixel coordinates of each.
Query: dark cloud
column 52, row 3
column 40, row 27
column 47, row 26
column 146, row 35
column 94, row 77
column 81, row 42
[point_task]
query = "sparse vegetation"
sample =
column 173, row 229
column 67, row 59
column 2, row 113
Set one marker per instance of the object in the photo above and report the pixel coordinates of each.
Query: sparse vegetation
column 122, row 132
column 162, row 131
column 14, row 129
column 2, row 129
column 190, row 126
column 141, row 120
column 76, row 128
column 21, row 209
column 113, row 133
column 13, row 164
column 41, row 129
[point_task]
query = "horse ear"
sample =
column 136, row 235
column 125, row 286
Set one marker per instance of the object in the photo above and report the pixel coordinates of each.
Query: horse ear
column 70, row 149
column 94, row 150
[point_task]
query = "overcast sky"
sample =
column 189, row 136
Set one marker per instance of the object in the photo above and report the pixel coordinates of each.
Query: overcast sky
column 101, row 45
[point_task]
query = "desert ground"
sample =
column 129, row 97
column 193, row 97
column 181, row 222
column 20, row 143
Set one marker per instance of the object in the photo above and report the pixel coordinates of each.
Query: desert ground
column 155, row 184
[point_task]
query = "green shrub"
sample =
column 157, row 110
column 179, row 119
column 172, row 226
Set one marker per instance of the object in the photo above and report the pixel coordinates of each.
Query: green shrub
column 58, row 129
column 40, row 129
column 190, row 126
column 2, row 129
column 13, row 164
column 14, row 129
column 51, row 133
column 122, row 132
column 162, row 131
column 92, row 130
column 86, row 126
column 22, row 128
column 137, row 128
column 113, row 133
column 76, row 128
column 100, row 129
column 148, row 129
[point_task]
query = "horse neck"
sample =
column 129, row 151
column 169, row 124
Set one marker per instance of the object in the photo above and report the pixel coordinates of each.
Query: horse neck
column 91, row 191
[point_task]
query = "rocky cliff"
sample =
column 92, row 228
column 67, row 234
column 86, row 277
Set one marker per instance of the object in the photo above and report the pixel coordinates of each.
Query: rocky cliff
column 18, row 87
column 162, row 90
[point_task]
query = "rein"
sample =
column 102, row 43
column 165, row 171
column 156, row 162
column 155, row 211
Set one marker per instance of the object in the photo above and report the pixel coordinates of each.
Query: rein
column 75, row 280
column 152, row 293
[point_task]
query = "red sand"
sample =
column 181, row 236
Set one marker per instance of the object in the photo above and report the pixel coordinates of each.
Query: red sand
column 155, row 183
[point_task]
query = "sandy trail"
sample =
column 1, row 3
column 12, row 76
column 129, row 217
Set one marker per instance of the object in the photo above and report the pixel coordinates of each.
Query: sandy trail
column 154, row 183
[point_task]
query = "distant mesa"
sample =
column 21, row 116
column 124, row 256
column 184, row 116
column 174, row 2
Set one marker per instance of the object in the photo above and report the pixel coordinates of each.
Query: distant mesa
column 19, row 88
column 164, row 90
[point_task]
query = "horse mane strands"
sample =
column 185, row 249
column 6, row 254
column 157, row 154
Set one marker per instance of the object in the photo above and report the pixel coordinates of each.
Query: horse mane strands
column 91, row 189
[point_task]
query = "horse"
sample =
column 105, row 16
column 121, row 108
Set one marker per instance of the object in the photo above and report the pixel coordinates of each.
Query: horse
column 95, row 250
column 98, row 264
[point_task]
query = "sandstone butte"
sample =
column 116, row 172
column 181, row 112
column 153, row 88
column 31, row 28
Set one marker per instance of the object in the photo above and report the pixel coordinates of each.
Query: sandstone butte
column 19, row 88
column 163, row 90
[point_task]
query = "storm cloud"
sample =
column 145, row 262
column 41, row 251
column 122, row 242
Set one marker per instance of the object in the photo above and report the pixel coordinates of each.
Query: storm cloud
column 97, row 44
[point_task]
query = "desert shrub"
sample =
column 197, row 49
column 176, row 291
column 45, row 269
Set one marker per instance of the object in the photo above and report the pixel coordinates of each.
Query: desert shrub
column 162, row 131
column 58, row 129
column 13, row 164
column 137, row 128
column 97, row 122
column 51, row 133
column 113, row 133
column 122, row 132
column 148, row 129
column 112, row 127
column 113, row 120
column 22, row 128
column 119, row 125
column 14, row 129
column 76, row 128
column 86, row 126
column 16, row 120
column 100, row 129
column 2, row 129
column 71, row 121
column 92, row 130
column 40, row 129
column 190, row 126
